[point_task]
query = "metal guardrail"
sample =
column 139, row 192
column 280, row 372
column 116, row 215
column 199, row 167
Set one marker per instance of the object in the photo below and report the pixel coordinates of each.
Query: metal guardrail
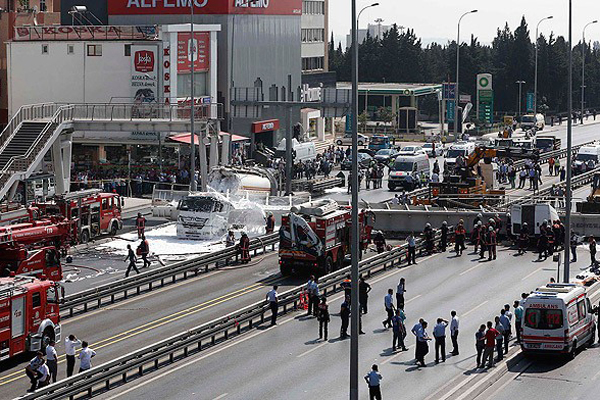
column 195, row 340
column 100, row 296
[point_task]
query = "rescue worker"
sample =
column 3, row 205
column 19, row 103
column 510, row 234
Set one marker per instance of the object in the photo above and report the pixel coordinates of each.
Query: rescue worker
column 324, row 318
column 556, row 232
column 429, row 238
column 270, row 223
column 379, row 242
column 492, row 241
column 523, row 239
column 244, row 247
column 551, row 241
column 543, row 242
column 140, row 224
column 476, row 236
column 574, row 241
column 230, row 239
column 459, row 238
column 444, row 236
column 144, row 250
column 363, row 295
column 345, row 316
column 477, row 219
column 483, row 239
column 132, row 260
column 592, row 243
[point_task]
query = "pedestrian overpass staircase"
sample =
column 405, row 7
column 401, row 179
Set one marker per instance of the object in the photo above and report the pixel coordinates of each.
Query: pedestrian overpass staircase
column 35, row 129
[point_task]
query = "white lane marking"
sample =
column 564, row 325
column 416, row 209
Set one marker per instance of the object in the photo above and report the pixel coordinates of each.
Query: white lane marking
column 414, row 298
column 473, row 309
column 471, row 269
column 387, row 360
column 221, row 396
column 533, row 273
column 509, row 381
column 596, row 376
column 311, row 350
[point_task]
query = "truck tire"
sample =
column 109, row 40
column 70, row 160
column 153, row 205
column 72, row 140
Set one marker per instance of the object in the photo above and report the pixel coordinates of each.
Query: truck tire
column 85, row 237
column 285, row 270
column 391, row 187
column 339, row 142
column 573, row 351
column 592, row 339
column 114, row 228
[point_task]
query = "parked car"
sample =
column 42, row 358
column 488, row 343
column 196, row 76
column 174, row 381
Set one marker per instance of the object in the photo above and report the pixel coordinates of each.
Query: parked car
column 385, row 155
column 434, row 149
column 411, row 151
column 363, row 161
column 346, row 140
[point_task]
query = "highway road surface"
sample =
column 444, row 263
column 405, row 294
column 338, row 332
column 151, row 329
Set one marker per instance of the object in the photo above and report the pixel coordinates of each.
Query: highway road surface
column 290, row 362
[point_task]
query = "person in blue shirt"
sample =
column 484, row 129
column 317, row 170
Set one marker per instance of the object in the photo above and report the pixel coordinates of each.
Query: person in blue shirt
column 373, row 379
column 399, row 331
column 439, row 333
column 518, row 319
column 505, row 321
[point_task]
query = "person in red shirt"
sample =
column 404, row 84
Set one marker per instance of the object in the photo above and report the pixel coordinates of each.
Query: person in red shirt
column 490, row 343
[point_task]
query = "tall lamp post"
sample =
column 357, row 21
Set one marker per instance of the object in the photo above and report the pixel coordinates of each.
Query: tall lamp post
column 193, row 183
column 583, row 67
column 456, row 92
column 355, row 228
column 535, row 78
column 520, row 83
column 568, row 191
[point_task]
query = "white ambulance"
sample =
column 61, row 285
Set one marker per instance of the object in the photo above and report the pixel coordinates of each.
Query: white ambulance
column 557, row 318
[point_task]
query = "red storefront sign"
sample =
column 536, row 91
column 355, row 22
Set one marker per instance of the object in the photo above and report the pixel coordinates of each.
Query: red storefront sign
column 161, row 7
column 201, row 43
column 144, row 61
column 265, row 126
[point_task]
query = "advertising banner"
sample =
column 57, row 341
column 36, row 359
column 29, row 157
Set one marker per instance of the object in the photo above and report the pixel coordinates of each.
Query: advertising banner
column 198, row 49
column 165, row 7
column 144, row 75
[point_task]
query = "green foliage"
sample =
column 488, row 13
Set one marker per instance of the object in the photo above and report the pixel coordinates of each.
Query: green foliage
column 400, row 57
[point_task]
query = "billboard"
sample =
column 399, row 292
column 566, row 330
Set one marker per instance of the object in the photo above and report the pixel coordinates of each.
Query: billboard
column 163, row 7
column 201, row 52
column 144, row 74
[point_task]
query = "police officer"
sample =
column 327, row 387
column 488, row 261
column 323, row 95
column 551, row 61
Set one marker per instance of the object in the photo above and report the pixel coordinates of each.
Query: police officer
column 379, row 241
column 345, row 316
column 523, row 238
column 444, row 236
column 543, row 242
column 363, row 295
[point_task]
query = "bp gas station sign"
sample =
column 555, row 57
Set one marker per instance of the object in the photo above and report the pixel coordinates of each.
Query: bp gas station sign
column 485, row 98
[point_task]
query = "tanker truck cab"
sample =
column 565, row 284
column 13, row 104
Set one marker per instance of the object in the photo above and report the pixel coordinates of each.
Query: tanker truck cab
column 557, row 318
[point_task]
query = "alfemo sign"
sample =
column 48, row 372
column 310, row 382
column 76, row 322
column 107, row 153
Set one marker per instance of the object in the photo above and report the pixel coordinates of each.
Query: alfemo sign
column 159, row 7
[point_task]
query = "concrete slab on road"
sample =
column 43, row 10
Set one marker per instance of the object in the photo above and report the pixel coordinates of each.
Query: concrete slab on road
column 289, row 361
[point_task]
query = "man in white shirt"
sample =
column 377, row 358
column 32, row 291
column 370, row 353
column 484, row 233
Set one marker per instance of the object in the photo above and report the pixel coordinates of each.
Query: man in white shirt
column 52, row 360
column 272, row 299
column 32, row 370
column 439, row 333
column 43, row 375
column 373, row 379
column 454, row 332
column 388, row 303
column 85, row 357
column 70, row 344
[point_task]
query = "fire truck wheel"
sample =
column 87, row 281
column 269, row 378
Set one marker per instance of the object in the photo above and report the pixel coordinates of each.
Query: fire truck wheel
column 85, row 237
column 113, row 229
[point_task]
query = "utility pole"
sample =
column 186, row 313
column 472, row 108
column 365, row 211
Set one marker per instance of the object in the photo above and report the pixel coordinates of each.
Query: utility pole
column 193, row 183
column 520, row 83
column 583, row 68
column 569, row 193
column 535, row 77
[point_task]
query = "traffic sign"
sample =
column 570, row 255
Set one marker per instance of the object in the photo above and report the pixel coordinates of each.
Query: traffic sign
column 450, row 111
column 449, row 91
column 530, row 102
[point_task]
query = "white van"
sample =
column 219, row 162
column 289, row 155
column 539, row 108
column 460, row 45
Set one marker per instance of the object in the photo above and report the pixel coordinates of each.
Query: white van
column 588, row 153
column 302, row 151
column 531, row 121
column 557, row 318
column 533, row 214
column 406, row 165
column 464, row 149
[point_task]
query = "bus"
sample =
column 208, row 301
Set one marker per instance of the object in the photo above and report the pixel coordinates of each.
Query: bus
column 379, row 142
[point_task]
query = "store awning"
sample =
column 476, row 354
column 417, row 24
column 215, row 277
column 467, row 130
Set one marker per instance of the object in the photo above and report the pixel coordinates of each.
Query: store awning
column 186, row 138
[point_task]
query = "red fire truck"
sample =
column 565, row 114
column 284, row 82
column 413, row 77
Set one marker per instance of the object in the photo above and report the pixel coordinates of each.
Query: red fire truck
column 29, row 315
column 315, row 237
column 34, row 248
column 96, row 212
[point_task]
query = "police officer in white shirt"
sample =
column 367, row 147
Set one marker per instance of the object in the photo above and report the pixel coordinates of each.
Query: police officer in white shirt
column 272, row 299
column 373, row 379
column 52, row 360
column 70, row 344
column 43, row 375
column 85, row 357
column 454, row 332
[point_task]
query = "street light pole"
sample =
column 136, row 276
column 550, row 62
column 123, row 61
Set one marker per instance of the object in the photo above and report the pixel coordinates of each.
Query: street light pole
column 583, row 68
column 569, row 193
column 193, row 183
column 535, row 78
column 355, row 250
column 520, row 83
column 456, row 91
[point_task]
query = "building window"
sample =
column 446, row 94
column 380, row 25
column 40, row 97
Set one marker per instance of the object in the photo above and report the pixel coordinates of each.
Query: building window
column 43, row 6
column 312, row 63
column 127, row 50
column 313, row 7
column 70, row 49
column 313, row 35
column 94, row 50
column 45, row 49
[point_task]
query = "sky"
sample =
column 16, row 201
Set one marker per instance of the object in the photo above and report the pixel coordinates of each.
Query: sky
column 436, row 20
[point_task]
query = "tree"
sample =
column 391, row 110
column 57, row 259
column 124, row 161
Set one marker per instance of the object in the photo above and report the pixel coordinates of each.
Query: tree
column 363, row 118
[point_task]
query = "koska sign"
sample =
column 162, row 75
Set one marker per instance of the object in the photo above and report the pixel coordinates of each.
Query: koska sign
column 159, row 7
